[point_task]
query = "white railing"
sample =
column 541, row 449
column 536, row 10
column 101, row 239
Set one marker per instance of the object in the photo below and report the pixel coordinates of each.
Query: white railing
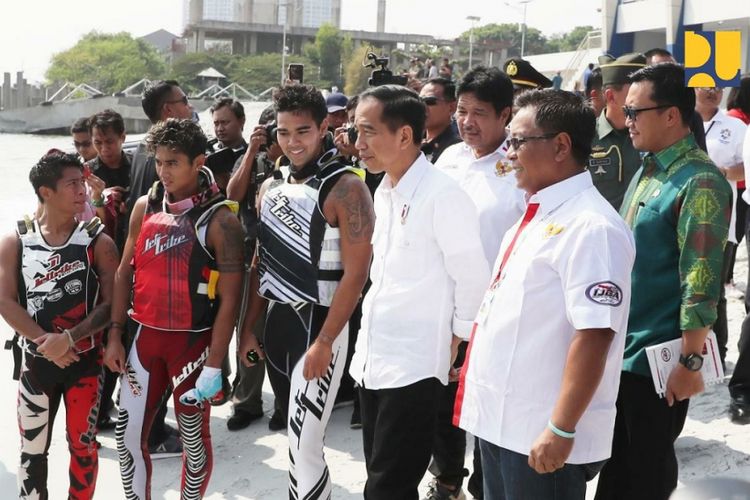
column 577, row 65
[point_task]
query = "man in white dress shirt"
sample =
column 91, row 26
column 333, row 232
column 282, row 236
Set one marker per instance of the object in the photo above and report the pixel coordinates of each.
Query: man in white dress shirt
column 724, row 137
column 542, row 370
column 428, row 276
column 479, row 164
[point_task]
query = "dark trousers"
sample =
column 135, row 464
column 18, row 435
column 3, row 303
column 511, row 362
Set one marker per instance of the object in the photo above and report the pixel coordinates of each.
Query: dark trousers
column 398, row 428
column 739, row 384
column 643, row 463
column 720, row 327
column 449, row 445
column 509, row 477
column 247, row 387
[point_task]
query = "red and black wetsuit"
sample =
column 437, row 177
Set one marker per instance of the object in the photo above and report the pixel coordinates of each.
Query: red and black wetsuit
column 174, row 304
column 58, row 287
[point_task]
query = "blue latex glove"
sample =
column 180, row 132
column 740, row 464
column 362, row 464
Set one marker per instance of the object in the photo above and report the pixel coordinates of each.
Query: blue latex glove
column 206, row 387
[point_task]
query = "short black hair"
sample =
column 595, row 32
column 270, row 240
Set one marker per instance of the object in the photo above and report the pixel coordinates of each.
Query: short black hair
column 267, row 116
column 80, row 125
column 594, row 82
column 449, row 87
column 236, row 106
column 489, row 85
column 656, row 51
column 668, row 81
column 155, row 96
column 107, row 120
column 182, row 136
column 295, row 98
column 739, row 97
column 49, row 169
column 401, row 106
column 352, row 103
column 559, row 111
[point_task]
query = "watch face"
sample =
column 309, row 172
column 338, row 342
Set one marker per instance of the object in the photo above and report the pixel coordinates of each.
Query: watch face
column 693, row 362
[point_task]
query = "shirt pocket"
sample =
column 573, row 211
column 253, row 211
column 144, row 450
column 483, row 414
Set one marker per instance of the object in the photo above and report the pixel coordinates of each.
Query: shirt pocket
column 408, row 260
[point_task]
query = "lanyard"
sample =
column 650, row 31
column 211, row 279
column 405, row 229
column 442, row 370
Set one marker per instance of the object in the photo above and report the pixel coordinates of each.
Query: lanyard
column 531, row 210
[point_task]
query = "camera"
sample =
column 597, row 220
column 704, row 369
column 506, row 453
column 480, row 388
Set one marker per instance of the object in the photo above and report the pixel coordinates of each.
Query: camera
column 271, row 133
column 351, row 134
column 382, row 75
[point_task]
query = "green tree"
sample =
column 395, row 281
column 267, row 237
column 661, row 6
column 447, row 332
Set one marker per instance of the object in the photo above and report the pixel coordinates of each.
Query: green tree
column 258, row 73
column 509, row 34
column 185, row 69
column 355, row 74
column 328, row 45
column 109, row 62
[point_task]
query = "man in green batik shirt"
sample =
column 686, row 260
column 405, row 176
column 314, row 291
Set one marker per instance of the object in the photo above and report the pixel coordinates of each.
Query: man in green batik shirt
column 614, row 160
column 678, row 206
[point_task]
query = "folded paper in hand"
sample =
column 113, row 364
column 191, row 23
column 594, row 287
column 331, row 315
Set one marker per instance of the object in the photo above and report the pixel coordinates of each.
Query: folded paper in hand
column 662, row 358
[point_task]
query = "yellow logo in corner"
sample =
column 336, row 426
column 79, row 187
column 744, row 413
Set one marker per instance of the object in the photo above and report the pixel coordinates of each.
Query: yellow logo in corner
column 713, row 58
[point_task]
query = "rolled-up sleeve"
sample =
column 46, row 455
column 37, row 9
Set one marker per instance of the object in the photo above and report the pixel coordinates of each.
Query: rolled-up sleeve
column 456, row 229
column 705, row 205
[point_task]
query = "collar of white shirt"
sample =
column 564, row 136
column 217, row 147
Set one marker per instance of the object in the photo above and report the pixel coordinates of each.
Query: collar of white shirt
column 501, row 150
column 555, row 195
column 408, row 183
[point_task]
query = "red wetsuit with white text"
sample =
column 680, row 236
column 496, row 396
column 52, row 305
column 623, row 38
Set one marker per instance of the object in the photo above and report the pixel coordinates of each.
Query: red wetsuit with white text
column 174, row 304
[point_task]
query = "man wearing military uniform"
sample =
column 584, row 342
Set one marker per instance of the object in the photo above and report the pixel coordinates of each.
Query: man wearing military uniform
column 614, row 160
column 524, row 76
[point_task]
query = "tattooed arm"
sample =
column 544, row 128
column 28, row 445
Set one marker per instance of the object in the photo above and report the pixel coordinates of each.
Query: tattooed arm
column 348, row 207
column 226, row 239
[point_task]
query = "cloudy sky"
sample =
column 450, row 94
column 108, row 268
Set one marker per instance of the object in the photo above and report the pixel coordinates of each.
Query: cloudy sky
column 33, row 31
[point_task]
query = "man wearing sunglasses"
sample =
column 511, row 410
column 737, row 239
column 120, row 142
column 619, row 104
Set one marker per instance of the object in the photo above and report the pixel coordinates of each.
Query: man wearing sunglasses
column 439, row 97
column 614, row 160
column 678, row 206
column 479, row 164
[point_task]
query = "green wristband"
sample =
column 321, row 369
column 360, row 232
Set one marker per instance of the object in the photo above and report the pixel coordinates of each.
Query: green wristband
column 560, row 432
column 98, row 203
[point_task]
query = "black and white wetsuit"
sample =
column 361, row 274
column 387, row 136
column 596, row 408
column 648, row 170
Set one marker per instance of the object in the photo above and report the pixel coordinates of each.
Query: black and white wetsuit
column 299, row 269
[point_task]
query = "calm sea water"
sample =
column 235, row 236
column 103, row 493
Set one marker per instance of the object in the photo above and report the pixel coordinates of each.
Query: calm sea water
column 19, row 152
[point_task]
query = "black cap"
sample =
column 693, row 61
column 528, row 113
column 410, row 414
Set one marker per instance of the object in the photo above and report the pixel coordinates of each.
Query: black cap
column 524, row 76
column 617, row 71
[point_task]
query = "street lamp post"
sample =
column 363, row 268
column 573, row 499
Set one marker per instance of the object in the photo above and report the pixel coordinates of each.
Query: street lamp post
column 474, row 20
column 283, row 41
column 523, row 27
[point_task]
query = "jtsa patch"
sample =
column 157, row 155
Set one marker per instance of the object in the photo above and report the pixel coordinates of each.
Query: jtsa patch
column 605, row 293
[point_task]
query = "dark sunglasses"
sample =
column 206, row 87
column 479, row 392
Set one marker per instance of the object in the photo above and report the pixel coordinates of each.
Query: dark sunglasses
column 517, row 142
column 430, row 100
column 183, row 100
column 631, row 113
column 82, row 144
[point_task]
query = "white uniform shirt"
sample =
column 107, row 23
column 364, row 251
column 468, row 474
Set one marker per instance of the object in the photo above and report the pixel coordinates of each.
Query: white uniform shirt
column 746, row 163
column 428, row 276
column 568, row 270
column 724, row 137
column 498, row 200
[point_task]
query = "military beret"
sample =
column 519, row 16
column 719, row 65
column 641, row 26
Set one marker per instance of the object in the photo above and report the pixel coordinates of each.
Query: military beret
column 617, row 71
column 523, row 75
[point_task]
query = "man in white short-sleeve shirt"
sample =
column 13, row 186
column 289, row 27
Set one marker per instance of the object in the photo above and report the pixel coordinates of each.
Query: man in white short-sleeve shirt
column 542, row 372
column 428, row 275
column 724, row 137
column 478, row 164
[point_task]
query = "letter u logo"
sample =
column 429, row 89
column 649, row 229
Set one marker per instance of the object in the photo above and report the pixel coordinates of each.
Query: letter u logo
column 713, row 58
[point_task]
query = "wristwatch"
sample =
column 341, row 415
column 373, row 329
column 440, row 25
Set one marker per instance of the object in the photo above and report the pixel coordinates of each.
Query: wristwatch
column 693, row 362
